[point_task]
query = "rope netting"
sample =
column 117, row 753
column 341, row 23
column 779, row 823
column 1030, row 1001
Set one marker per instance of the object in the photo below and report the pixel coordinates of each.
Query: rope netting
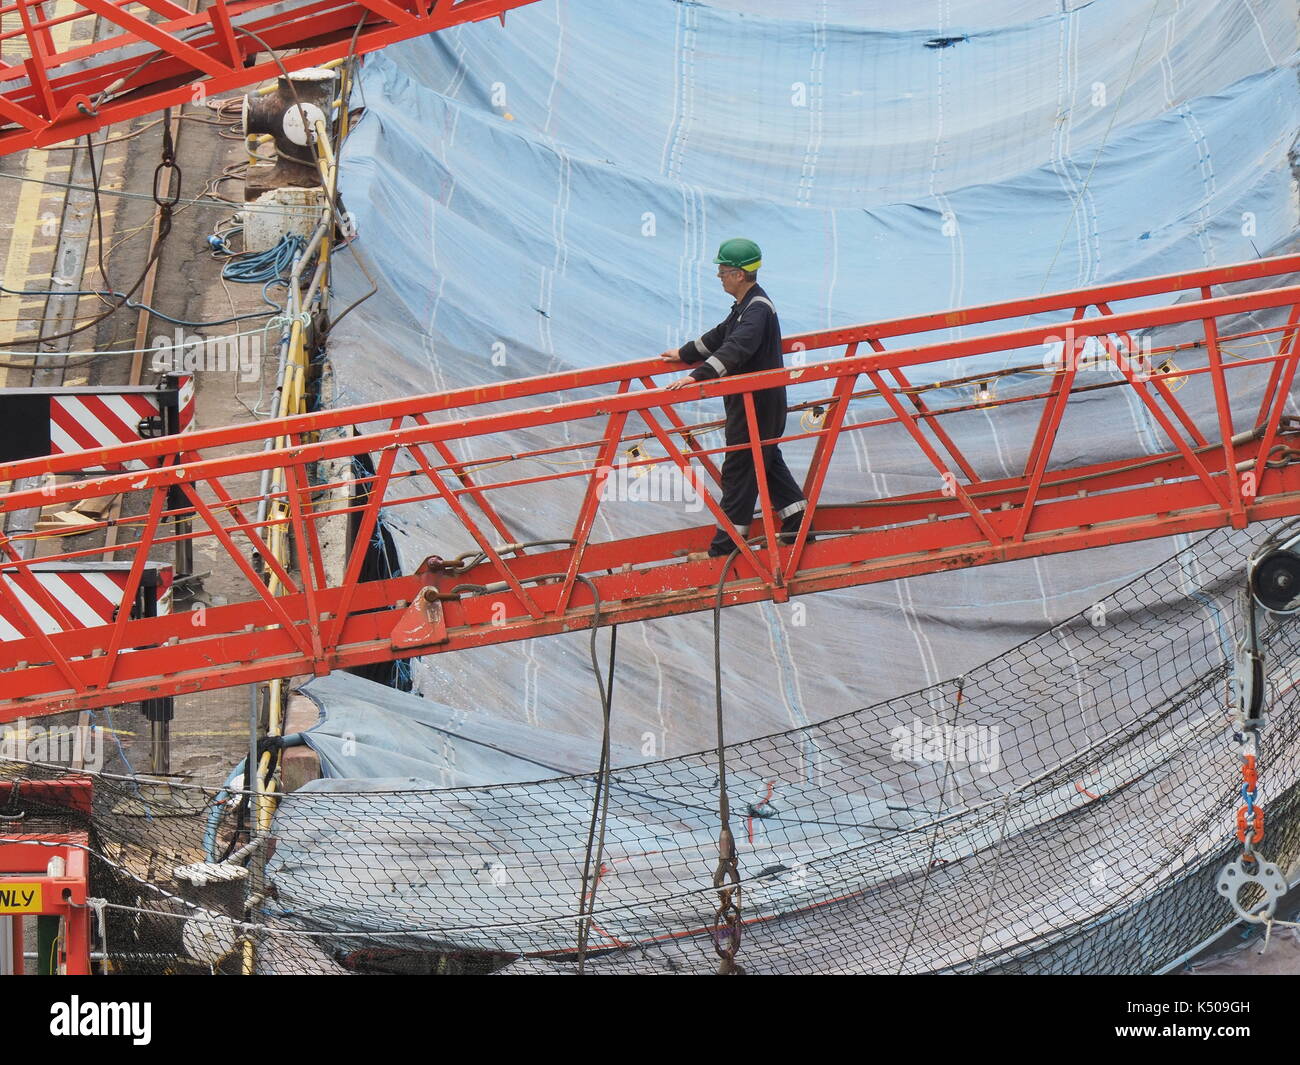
column 1063, row 808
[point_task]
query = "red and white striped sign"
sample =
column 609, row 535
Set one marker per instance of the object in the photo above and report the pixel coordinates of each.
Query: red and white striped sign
column 185, row 404
column 83, row 423
column 91, row 594
column 83, row 420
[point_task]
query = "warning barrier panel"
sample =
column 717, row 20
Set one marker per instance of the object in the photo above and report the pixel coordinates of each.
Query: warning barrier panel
column 89, row 594
column 76, row 421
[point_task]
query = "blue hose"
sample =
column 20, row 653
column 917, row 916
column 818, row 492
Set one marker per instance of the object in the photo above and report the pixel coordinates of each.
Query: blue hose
column 262, row 267
column 215, row 814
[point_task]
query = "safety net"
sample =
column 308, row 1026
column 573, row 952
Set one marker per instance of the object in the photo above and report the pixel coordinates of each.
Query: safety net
column 1063, row 808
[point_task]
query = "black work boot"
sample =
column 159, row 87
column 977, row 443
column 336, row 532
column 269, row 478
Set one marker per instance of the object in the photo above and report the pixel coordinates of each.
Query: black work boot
column 723, row 544
column 790, row 529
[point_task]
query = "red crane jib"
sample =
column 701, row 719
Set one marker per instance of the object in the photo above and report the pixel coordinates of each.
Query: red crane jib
column 1230, row 471
column 73, row 84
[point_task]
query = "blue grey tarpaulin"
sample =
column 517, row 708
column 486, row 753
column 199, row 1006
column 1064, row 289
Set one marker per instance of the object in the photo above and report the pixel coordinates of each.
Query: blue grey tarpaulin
column 367, row 730
column 550, row 193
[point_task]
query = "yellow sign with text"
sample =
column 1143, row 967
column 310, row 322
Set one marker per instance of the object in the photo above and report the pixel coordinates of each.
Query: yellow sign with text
column 20, row 898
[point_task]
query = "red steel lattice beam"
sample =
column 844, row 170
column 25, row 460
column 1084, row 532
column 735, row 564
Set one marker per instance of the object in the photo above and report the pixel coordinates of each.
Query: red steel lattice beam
column 58, row 83
column 502, row 592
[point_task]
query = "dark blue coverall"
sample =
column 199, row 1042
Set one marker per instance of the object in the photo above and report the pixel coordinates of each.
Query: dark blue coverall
column 748, row 341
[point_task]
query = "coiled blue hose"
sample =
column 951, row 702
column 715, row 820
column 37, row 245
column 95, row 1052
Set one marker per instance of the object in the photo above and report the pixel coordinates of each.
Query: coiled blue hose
column 263, row 267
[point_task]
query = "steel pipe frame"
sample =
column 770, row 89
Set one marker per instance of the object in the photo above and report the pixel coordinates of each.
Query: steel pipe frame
column 315, row 628
column 47, row 98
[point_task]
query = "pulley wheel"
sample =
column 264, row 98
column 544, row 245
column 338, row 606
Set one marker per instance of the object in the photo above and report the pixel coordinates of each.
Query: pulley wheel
column 1275, row 580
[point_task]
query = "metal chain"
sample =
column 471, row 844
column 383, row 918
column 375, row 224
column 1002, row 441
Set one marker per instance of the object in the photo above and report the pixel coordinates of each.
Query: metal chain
column 1250, row 816
column 726, row 878
column 1280, row 455
column 1284, row 456
column 1248, row 723
column 726, row 928
column 166, row 193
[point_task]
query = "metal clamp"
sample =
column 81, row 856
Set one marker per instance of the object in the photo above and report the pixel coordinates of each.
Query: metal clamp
column 1266, row 876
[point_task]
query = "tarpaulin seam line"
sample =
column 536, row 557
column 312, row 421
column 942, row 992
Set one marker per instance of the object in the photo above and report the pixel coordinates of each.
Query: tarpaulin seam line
column 1262, row 36
column 1205, row 164
column 1090, row 223
column 816, row 99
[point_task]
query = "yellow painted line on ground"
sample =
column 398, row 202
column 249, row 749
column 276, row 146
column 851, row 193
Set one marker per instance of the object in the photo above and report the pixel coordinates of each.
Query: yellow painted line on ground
column 26, row 221
column 18, row 260
column 206, row 732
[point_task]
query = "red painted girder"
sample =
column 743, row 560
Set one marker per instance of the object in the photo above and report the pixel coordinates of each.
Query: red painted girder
column 906, row 510
column 225, row 652
column 829, row 367
column 42, row 100
column 356, row 622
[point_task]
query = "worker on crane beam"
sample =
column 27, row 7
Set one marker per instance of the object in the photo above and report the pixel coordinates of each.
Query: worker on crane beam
column 748, row 340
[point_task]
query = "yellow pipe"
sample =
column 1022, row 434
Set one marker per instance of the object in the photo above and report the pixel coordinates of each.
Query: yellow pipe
column 292, row 401
column 345, row 93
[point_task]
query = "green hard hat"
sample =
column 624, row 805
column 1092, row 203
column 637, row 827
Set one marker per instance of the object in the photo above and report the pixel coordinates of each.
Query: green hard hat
column 741, row 253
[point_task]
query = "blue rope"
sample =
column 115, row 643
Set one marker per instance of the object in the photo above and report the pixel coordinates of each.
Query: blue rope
column 218, row 811
column 402, row 676
column 121, row 751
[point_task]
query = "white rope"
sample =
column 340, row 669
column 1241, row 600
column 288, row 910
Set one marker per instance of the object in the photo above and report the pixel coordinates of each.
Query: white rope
column 1269, row 922
column 98, row 906
column 134, row 351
